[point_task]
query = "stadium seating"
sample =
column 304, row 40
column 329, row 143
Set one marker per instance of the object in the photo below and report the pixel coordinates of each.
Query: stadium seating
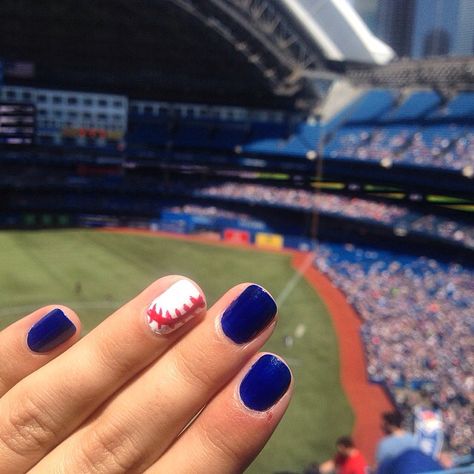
column 80, row 191
column 396, row 217
column 460, row 107
column 414, row 107
column 420, row 131
column 417, row 319
column 416, row 132
column 381, row 127
column 265, row 138
column 372, row 105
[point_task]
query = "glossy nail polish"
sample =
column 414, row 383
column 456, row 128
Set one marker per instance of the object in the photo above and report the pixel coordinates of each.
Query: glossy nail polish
column 174, row 307
column 50, row 331
column 248, row 314
column 265, row 383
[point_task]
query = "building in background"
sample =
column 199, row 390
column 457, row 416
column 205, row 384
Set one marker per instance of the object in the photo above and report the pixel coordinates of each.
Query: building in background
column 465, row 36
column 394, row 24
column 424, row 28
column 443, row 27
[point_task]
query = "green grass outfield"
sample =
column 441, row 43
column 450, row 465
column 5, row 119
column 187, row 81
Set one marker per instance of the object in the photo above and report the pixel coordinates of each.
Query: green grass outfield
column 42, row 267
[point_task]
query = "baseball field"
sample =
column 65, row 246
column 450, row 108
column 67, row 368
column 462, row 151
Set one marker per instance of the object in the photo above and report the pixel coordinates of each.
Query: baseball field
column 95, row 272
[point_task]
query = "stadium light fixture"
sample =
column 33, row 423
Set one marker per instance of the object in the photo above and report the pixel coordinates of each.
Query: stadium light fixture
column 468, row 171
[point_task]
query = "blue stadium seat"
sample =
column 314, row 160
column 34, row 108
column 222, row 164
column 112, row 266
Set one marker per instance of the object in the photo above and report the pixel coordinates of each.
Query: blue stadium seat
column 461, row 107
column 416, row 106
column 372, row 105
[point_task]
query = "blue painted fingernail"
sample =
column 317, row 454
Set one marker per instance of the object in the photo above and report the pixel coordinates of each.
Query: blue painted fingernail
column 50, row 331
column 265, row 383
column 248, row 314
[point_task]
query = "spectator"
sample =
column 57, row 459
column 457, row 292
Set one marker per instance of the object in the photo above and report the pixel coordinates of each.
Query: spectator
column 397, row 440
column 411, row 461
column 348, row 459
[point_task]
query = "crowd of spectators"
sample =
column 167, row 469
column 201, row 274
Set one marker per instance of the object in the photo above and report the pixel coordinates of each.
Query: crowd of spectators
column 209, row 211
column 418, row 328
column 445, row 228
column 394, row 215
column 449, row 146
column 351, row 207
column 112, row 192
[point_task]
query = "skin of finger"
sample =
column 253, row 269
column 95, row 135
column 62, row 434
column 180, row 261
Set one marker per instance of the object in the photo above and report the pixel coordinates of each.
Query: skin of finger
column 148, row 414
column 226, row 436
column 48, row 405
column 18, row 360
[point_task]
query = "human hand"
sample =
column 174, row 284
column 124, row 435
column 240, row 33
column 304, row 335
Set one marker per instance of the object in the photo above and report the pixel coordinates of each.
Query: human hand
column 162, row 385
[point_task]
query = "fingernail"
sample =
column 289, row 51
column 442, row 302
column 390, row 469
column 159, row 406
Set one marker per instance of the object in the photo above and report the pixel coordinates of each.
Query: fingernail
column 248, row 314
column 174, row 307
column 50, row 331
column 265, row 383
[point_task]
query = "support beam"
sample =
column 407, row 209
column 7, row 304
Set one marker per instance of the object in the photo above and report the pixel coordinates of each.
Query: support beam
column 264, row 36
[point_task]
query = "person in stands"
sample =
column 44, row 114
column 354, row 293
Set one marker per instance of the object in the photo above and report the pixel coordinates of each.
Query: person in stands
column 397, row 440
column 348, row 459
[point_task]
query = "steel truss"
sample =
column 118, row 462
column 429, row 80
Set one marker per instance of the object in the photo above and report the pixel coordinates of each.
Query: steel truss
column 264, row 35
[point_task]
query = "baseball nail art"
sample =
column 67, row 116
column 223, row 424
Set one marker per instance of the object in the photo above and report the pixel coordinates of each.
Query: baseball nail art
column 176, row 306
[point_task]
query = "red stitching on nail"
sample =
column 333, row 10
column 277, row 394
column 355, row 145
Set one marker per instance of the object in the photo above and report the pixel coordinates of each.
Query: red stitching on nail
column 167, row 320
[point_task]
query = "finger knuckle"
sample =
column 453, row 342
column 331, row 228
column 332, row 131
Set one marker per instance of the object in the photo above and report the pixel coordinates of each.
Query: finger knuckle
column 196, row 371
column 110, row 449
column 31, row 426
column 214, row 441
column 9, row 372
column 5, row 383
column 111, row 356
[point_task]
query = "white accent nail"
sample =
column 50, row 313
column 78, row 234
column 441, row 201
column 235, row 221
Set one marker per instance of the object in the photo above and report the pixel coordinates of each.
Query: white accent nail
column 174, row 307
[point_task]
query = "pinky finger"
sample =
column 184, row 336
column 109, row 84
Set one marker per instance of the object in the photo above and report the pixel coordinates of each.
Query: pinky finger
column 234, row 427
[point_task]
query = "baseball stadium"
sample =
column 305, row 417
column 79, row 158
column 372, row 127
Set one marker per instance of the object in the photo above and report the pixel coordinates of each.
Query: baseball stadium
column 292, row 143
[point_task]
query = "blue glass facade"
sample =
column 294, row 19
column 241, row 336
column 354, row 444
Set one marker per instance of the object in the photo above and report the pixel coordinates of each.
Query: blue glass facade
column 424, row 28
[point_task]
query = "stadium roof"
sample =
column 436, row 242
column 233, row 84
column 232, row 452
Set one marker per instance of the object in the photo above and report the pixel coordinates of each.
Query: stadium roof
column 245, row 52
column 338, row 30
